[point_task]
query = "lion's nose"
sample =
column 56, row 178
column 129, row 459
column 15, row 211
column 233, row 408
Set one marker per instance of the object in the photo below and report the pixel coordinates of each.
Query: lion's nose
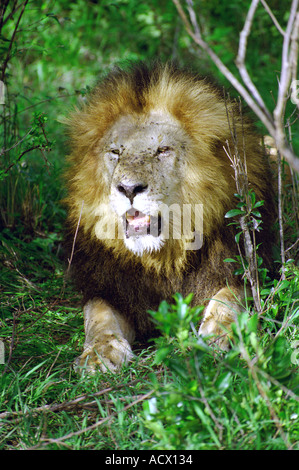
column 130, row 190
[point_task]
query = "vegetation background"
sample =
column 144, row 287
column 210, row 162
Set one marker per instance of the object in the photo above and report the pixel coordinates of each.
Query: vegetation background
column 179, row 394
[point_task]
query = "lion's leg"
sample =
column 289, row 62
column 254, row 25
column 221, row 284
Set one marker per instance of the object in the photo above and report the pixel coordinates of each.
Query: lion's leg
column 220, row 313
column 107, row 338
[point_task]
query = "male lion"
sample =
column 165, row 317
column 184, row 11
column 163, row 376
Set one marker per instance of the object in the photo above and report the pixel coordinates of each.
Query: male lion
column 147, row 161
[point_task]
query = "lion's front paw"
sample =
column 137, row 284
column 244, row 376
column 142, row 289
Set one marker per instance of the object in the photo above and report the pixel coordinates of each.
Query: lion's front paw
column 107, row 353
column 214, row 326
column 219, row 315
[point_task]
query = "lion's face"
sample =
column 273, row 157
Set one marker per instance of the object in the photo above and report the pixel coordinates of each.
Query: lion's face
column 144, row 170
column 148, row 173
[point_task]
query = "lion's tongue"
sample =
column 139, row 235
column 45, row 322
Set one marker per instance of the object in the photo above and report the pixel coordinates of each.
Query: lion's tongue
column 137, row 220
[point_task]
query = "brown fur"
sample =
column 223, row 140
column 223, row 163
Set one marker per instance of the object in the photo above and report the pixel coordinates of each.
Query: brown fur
column 106, row 269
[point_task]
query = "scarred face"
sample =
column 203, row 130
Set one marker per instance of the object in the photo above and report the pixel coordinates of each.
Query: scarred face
column 142, row 157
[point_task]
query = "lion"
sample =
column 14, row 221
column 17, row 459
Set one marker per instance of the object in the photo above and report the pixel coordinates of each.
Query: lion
column 149, row 184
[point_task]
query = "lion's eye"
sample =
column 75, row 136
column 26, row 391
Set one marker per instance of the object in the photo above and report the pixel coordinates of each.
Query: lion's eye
column 162, row 150
column 115, row 151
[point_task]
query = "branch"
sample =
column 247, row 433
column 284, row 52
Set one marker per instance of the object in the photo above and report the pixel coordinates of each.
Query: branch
column 197, row 37
column 288, row 70
column 60, row 440
column 240, row 61
column 11, row 41
column 74, row 240
column 19, row 157
column 272, row 16
column 273, row 124
column 3, row 151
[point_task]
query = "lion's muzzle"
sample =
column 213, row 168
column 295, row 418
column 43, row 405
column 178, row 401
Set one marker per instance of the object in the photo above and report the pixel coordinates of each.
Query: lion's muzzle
column 131, row 190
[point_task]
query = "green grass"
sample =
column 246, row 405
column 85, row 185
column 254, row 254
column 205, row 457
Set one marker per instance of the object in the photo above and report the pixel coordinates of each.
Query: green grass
column 179, row 394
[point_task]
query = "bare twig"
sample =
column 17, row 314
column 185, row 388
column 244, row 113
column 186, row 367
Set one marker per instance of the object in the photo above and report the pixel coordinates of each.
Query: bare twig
column 273, row 123
column 288, row 70
column 251, row 271
column 3, row 151
column 20, row 156
column 272, row 16
column 240, row 61
column 280, row 216
column 74, row 240
column 293, row 245
column 223, row 69
column 6, row 60
column 61, row 440
column 79, row 402
column 3, row 7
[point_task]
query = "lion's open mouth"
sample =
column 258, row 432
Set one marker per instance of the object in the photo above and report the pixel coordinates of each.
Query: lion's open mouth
column 137, row 223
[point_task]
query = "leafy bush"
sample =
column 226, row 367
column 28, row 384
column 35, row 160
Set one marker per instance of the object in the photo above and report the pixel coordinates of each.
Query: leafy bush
column 242, row 399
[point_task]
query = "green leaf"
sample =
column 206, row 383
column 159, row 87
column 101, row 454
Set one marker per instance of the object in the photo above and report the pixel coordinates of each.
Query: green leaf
column 161, row 354
column 252, row 195
column 258, row 204
column 266, row 291
column 189, row 298
column 237, row 237
column 178, row 368
column 233, row 213
column 223, row 382
column 52, row 15
column 253, row 323
column 238, row 272
column 256, row 214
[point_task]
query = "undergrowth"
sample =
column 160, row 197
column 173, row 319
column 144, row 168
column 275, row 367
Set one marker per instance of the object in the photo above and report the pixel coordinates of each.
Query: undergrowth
column 178, row 394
